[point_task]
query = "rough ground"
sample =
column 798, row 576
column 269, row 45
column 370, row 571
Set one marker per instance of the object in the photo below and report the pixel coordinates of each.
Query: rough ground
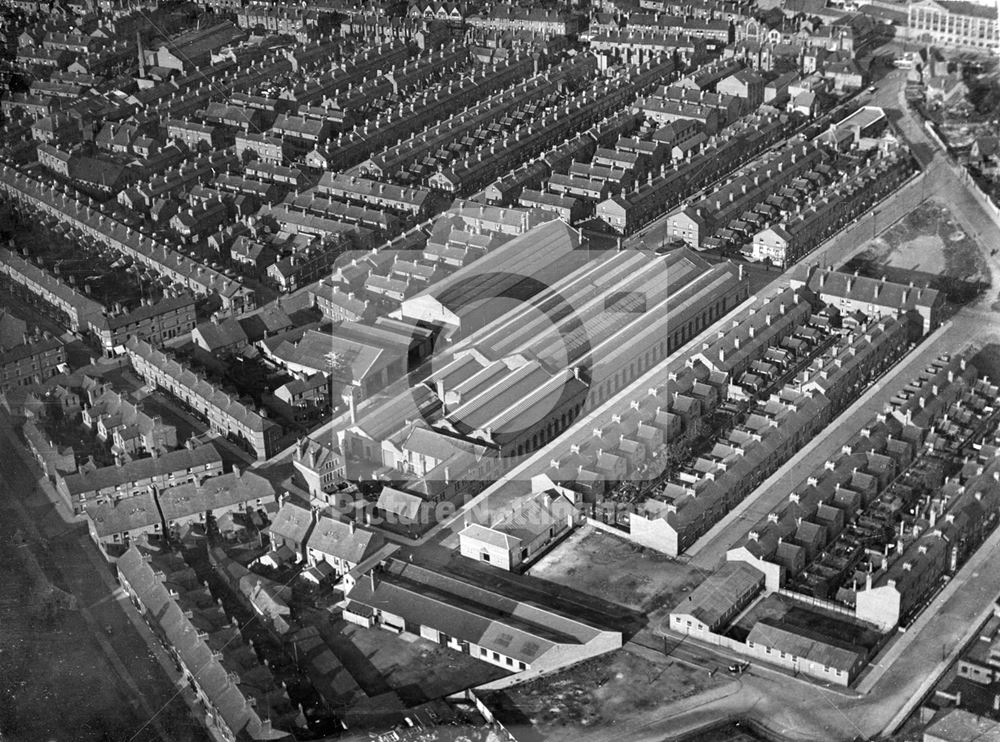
column 613, row 568
column 931, row 240
column 591, row 700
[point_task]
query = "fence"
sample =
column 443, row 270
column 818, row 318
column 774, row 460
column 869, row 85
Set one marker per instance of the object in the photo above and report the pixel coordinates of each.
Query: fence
column 984, row 200
column 500, row 730
column 776, row 656
column 929, row 126
column 615, row 530
column 817, row 602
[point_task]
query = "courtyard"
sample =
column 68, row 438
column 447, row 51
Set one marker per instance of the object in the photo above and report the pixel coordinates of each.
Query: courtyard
column 841, row 629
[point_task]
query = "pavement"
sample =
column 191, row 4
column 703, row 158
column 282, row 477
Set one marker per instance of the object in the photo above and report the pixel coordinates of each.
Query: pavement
column 900, row 678
column 799, row 709
column 909, row 666
column 136, row 659
column 709, row 550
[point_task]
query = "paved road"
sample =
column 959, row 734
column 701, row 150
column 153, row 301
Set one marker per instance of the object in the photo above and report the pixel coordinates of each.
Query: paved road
column 907, row 669
column 134, row 660
column 708, row 551
column 808, row 711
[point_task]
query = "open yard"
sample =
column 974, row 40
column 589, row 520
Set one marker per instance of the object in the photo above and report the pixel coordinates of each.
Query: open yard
column 610, row 567
column 593, row 698
column 930, row 240
column 153, row 404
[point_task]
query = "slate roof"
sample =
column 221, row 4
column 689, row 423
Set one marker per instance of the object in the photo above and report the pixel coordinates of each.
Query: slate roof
column 806, row 647
column 128, row 514
column 470, row 613
column 402, row 504
column 715, row 598
column 493, row 537
column 147, row 311
column 873, row 290
column 343, row 540
column 111, row 476
column 204, row 665
column 292, row 522
column 222, row 491
column 198, row 386
column 222, row 334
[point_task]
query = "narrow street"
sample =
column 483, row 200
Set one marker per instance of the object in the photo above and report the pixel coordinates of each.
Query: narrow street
column 710, row 550
column 909, row 666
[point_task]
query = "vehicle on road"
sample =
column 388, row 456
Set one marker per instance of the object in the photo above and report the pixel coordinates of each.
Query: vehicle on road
column 738, row 668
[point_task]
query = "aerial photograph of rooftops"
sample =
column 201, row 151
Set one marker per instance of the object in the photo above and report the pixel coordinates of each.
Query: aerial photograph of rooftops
column 499, row 371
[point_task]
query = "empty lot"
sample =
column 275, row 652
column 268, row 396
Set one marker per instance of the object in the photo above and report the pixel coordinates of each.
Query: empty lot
column 931, row 240
column 615, row 569
column 598, row 698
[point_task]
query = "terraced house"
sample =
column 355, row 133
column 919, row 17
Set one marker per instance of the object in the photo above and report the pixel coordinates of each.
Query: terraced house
column 112, row 483
column 225, row 414
column 156, row 322
column 31, row 362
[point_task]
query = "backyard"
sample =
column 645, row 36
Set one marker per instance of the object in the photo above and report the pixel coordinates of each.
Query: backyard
column 816, row 621
column 592, row 698
column 71, row 432
column 89, row 268
column 610, row 567
column 987, row 361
